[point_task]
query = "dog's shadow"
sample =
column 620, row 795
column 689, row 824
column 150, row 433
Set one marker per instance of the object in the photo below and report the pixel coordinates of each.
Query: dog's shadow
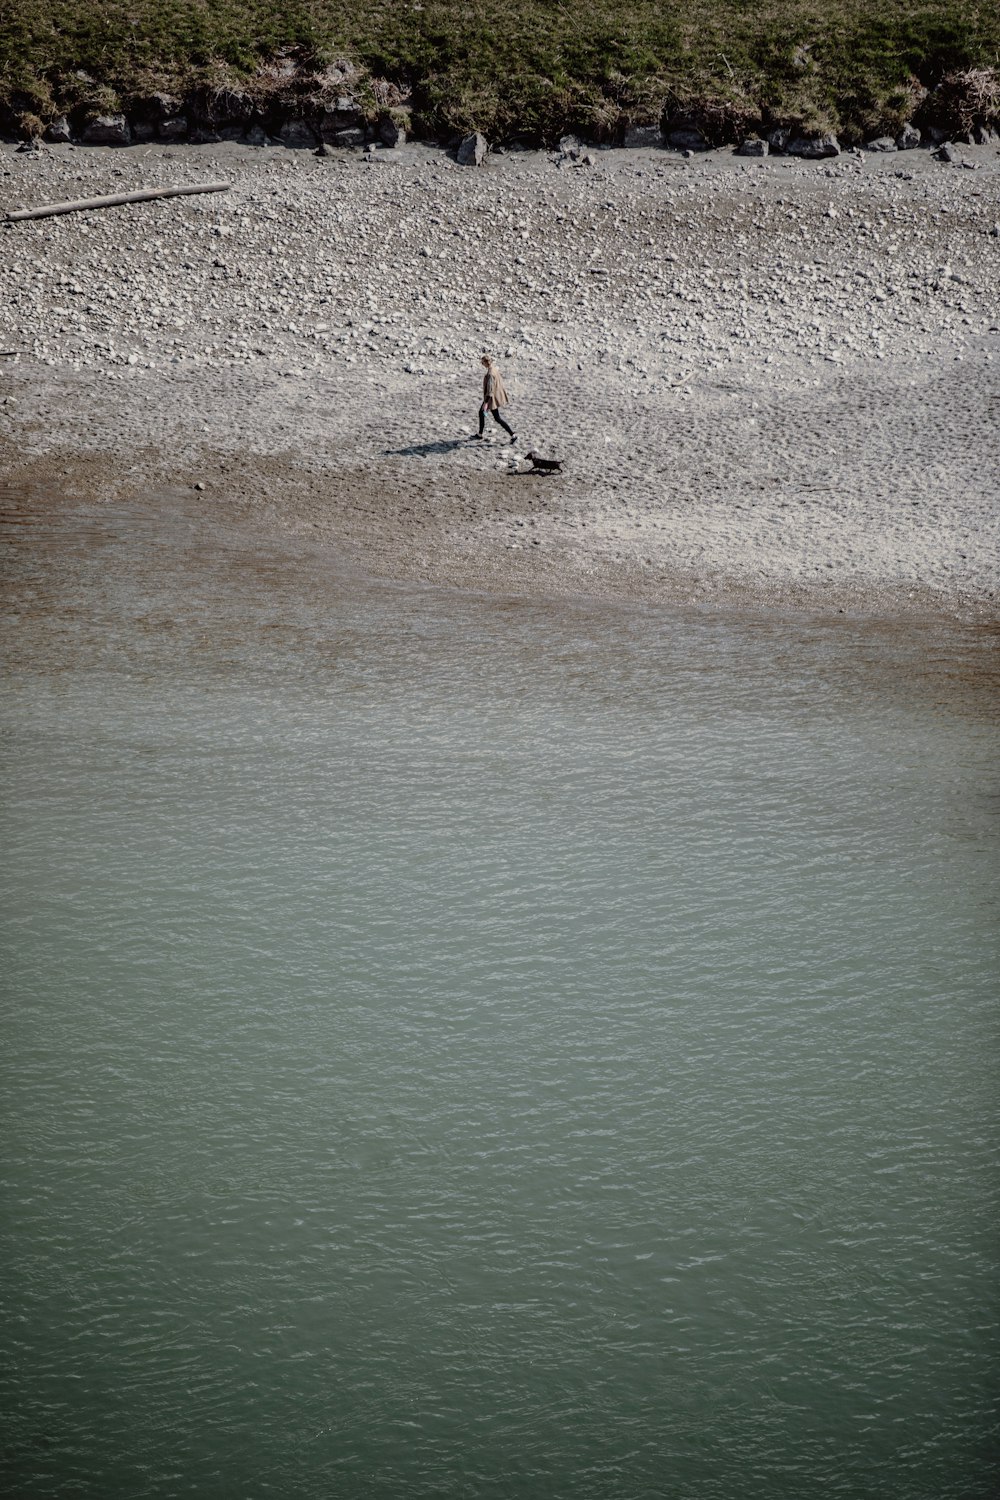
column 424, row 450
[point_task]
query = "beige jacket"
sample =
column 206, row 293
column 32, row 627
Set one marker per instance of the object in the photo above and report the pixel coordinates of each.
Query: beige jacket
column 494, row 392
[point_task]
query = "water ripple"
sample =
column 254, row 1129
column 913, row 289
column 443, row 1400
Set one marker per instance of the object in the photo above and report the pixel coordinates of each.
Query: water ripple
column 517, row 1053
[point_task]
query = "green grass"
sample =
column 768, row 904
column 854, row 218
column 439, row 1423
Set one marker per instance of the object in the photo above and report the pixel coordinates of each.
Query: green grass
column 517, row 67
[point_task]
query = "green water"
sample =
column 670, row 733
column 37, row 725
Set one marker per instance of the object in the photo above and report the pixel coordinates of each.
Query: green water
column 467, row 1049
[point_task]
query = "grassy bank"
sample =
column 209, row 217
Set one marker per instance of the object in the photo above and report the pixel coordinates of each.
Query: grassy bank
column 529, row 68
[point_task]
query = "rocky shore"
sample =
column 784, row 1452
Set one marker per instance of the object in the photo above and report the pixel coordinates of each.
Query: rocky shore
column 771, row 380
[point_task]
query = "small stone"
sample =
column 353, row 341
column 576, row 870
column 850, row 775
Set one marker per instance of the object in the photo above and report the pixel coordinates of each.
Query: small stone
column 199, row 485
column 58, row 132
column 908, row 138
column 472, row 151
column 881, row 143
column 752, row 146
column 946, row 152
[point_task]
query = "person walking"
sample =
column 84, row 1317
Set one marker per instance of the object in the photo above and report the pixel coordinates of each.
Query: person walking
column 494, row 397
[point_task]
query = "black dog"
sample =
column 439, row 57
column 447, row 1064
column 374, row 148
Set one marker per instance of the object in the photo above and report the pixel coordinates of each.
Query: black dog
column 545, row 465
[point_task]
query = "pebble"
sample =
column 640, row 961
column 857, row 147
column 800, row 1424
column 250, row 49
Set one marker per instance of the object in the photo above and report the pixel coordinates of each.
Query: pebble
column 126, row 285
column 308, row 269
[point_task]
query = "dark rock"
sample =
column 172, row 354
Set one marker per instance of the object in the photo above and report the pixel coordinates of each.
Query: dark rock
column 256, row 136
column 212, row 108
column 391, row 133
column 173, row 129
column 343, row 114
column 59, row 132
column 643, row 135
column 946, row 152
column 687, row 140
column 752, row 146
column 107, row 130
column 569, row 146
column 472, row 151
column 778, row 139
column 164, row 106
column 881, row 143
column 353, row 137
column 203, row 135
column 707, row 126
column 150, row 109
column 983, row 135
column 143, row 131
column 908, row 138
column 297, row 135
column 813, row 146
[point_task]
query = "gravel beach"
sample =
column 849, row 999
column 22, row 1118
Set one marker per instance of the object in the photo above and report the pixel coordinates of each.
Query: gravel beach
column 772, row 382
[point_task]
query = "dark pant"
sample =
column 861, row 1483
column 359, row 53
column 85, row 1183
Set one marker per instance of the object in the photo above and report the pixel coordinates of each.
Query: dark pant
column 496, row 417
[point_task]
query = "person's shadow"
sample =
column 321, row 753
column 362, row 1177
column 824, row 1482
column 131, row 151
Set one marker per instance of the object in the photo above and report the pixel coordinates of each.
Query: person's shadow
column 424, row 450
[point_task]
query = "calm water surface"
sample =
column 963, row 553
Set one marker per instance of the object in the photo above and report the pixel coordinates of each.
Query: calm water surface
column 457, row 1048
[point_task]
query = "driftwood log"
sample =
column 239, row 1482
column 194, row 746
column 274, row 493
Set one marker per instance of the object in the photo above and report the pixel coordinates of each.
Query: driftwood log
column 113, row 200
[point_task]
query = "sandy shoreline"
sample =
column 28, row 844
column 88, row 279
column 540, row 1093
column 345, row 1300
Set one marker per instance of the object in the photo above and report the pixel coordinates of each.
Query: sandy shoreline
column 772, row 383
